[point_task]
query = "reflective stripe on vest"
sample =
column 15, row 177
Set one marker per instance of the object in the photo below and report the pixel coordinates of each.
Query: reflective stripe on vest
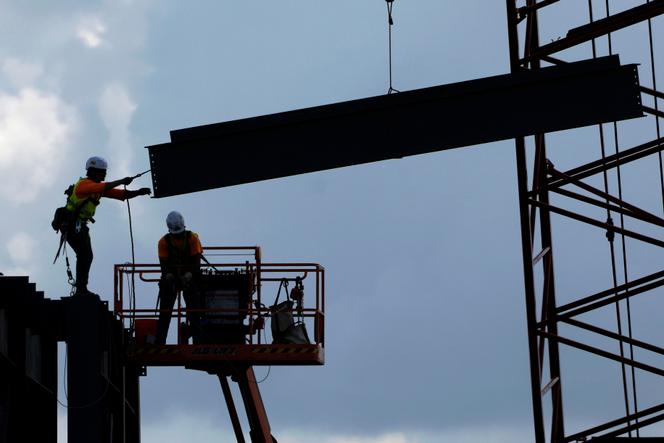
column 89, row 203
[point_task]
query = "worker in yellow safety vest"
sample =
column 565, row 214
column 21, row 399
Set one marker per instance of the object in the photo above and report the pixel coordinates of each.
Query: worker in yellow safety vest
column 84, row 197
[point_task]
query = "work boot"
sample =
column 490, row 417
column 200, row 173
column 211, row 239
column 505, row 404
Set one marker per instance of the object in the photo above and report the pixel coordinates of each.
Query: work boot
column 83, row 291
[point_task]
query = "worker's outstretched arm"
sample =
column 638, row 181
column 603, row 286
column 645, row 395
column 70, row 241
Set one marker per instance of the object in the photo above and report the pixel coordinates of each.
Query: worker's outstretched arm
column 114, row 184
column 124, row 194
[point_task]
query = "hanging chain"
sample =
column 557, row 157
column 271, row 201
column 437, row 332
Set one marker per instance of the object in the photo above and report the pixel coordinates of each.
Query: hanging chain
column 70, row 277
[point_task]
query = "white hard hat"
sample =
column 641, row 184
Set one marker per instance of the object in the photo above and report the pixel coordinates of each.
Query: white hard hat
column 175, row 222
column 97, row 163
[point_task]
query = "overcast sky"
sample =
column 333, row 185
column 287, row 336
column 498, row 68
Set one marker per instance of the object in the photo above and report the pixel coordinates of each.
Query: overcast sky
column 425, row 331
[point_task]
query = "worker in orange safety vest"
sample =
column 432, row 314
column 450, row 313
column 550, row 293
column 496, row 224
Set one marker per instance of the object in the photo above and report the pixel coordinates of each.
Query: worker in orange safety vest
column 180, row 254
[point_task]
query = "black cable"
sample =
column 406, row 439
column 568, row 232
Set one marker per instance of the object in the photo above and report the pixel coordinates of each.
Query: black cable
column 64, row 378
column 210, row 264
column 623, row 244
column 610, row 234
column 18, row 370
column 269, row 369
column 390, row 23
column 654, row 87
column 132, row 294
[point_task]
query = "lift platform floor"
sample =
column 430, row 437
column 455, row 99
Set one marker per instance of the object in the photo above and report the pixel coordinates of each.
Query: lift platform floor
column 254, row 355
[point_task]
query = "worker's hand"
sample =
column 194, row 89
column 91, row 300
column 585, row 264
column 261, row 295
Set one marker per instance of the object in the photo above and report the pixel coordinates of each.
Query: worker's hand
column 126, row 181
column 187, row 277
column 136, row 193
column 168, row 277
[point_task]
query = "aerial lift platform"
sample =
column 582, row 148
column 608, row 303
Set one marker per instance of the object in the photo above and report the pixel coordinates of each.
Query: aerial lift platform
column 240, row 298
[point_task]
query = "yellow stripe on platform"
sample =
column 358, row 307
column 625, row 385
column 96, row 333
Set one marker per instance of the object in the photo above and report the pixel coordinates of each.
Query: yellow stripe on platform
column 154, row 350
column 275, row 350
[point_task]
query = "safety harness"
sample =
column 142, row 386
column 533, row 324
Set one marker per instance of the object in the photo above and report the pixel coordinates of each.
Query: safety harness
column 179, row 256
column 83, row 209
column 66, row 216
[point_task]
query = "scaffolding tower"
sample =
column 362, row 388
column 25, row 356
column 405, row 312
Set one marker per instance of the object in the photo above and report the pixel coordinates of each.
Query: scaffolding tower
column 592, row 194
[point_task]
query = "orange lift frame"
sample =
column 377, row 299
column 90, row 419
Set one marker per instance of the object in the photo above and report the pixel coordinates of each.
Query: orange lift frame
column 233, row 360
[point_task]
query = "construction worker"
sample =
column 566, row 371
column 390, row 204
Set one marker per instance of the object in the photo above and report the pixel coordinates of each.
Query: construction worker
column 84, row 197
column 180, row 253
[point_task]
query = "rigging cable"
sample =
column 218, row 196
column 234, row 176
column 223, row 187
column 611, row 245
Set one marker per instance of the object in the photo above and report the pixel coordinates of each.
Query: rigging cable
column 64, row 381
column 17, row 369
column 132, row 292
column 390, row 23
column 623, row 243
column 269, row 368
column 624, row 247
column 653, row 72
column 610, row 235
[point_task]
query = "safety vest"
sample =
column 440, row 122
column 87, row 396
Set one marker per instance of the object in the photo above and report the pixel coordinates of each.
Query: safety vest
column 88, row 205
column 179, row 256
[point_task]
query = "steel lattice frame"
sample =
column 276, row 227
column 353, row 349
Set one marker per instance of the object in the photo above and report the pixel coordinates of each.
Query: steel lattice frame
column 536, row 213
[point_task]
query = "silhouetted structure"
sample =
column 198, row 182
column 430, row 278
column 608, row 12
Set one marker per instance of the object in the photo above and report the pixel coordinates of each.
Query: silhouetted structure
column 395, row 125
column 106, row 354
column 530, row 102
column 102, row 395
column 537, row 211
column 233, row 316
column 28, row 363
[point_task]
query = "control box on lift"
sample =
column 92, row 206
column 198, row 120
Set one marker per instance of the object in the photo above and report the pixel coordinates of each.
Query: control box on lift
column 225, row 296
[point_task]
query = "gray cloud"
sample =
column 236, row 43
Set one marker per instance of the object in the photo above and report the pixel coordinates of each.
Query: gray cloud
column 426, row 325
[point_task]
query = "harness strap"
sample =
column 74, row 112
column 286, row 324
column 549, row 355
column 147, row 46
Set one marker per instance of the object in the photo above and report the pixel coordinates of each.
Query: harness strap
column 63, row 239
column 178, row 256
column 79, row 207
